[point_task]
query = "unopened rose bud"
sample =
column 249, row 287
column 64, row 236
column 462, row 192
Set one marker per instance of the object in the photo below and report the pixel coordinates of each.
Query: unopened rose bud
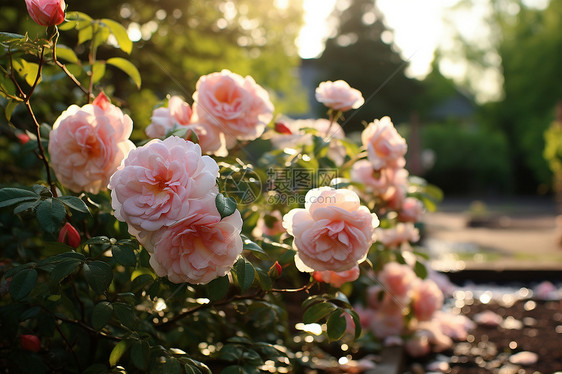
column 46, row 12
column 281, row 128
column 30, row 343
column 275, row 270
column 69, row 235
column 23, row 138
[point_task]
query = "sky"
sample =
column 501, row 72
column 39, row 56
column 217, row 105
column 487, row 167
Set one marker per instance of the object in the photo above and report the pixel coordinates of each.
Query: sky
column 420, row 27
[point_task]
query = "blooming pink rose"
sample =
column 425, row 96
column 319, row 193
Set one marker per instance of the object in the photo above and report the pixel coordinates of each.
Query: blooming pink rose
column 198, row 249
column 161, row 183
column 178, row 113
column 388, row 321
column 376, row 182
column 87, row 144
column 337, row 278
column 333, row 232
column 418, row 345
column 339, row 96
column 401, row 234
column 238, row 106
column 211, row 139
column 385, row 147
column 398, row 280
column 427, row 299
column 271, row 224
column 46, row 12
column 411, row 210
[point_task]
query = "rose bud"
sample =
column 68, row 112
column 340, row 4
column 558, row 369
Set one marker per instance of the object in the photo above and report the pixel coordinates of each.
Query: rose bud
column 30, row 343
column 281, row 128
column 46, row 12
column 275, row 270
column 69, row 235
column 23, row 138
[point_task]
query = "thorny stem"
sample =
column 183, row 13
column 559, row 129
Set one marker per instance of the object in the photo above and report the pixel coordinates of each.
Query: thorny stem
column 26, row 98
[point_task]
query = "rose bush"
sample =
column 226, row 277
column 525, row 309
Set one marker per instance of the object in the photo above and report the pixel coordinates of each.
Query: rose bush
column 202, row 250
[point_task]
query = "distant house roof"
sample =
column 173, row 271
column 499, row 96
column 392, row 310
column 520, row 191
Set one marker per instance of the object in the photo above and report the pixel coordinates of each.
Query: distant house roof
column 460, row 105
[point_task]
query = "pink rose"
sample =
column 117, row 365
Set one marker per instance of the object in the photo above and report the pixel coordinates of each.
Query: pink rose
column 375, row 182
column 162, row 183
column 388, row 321
column 87, row 144
column 178, row 113
column 397, row 279
column 411, row 210
column 271, row 225
column 198, row 249
column 418, row 345
column 385, row 147
column 339, row 96
column 237, row 106
column 46, row 12
column 333, row 232
column 211, row 139
column 427, row 299
column 399, row 235
column 337, row 278
column 455, row 326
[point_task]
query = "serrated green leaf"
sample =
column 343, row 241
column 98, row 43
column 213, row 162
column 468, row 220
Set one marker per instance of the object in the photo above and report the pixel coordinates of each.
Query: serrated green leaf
column 96, row 240
column 317, row 312
column 98, row 275
column 101, row 34
column 117, row 352
column 218, row 288
column 124, row 254
column 25, row 206
column 10, row 196
column 50, row 214
column 245, row 273
column 67, row 54
column 62, row 270
column 253, row 247
column 101, row 314
column 141, row 281
column 265, row 281
column 225, row 205
column 85, row 34
column 336, row 325
column 74, row 203
column 120, row 33
column 22, row 283
column 140, row 353
column 127, row 67
column 9, row 37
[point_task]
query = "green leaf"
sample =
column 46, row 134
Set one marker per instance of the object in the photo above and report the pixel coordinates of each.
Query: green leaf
column 26, row 70
column 218, row 288
column 253, row 247
column 125, row 314
column 127, row 67
column 10, row 107
column 25, row 206
column 356, row 321
column 191, row 369
column 98, row 71
column 10, row 37
column 124, row 254
column 317, row 312
column 336, row 325
column 232, row 369
column 10, row 196
column 420, row 270
column 50, row 214
column 97, row 240
column 85, row 34
column 141, row 281
column 245, row 273
column 117, row 352
column 22, row 283
column 172, row 366
column 74, row 203
column 101, row 314
column 98, row 275
column 101, row 34
column 67, row 54
column 140, row 353
column 62, row 270
column 225, row 205
column 30, row 313
column 120, row 34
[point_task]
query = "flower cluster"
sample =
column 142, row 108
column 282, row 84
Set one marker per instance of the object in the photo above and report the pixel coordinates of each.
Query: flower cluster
column 166, row 193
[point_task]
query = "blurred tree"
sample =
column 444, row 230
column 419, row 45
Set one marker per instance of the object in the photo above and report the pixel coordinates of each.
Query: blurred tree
column 528, row 42
column 363, row 54
column 177, row 41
